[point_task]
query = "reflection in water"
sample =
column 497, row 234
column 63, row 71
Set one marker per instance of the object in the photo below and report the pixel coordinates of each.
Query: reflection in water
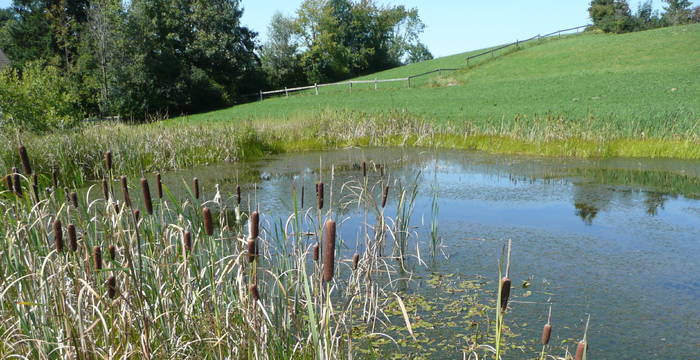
column 591, row 236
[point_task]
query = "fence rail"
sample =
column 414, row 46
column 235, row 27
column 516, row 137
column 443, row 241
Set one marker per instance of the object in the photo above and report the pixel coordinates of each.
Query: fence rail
column 408, row 79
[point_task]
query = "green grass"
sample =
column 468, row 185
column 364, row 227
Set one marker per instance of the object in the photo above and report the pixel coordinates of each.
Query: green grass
column 624, row 81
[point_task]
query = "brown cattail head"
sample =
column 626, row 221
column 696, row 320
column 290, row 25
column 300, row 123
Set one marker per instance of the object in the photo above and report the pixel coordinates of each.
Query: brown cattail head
column 302, row 196
column 254, row 225
column 108, row 161
column 137, row 216
column 112, row 252
column 546, row 334
column 16, row 182
column 26, row 165
column 254, row 292
column 581, row 349
column 54, row 177
column 146, row 191
column 316, row 252
column 8, row 183
column 125, row 191
column 195, row 187
column 238, row 194
column 159, row 186
column 252, row 249
column 319, row 195
column 381, row 170
column 74, row 199
column 112, row 287
column 187, row 240
column 505, row 292
column 116, row 208
column 355, row 261
column 35, row 186
column 364, row 169
column 329, row 251
column 385, row 195
column 105, row 189
column 97, row 257
column 58, row 235
column 72, row 237
column 208, row 224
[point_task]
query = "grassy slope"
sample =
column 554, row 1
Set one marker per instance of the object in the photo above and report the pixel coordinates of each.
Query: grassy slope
column 625, row 80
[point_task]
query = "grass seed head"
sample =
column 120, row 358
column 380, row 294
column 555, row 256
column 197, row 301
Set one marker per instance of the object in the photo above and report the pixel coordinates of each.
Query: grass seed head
column 329, row 251
column 72, row 237
column 58, row 235
column 146, row 192
column 24, row 157
column 208, row 223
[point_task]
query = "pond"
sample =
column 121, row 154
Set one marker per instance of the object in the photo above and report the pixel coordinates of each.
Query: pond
column 617, row 239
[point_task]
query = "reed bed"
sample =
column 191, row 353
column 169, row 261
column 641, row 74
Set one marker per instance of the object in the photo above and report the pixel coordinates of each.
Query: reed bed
column 186, row 278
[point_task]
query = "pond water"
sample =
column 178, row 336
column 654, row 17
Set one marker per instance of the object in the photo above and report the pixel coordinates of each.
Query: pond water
column 617, row 239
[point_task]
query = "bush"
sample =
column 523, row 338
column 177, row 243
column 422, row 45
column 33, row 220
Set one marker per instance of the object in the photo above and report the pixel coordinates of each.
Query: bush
column 38, row 99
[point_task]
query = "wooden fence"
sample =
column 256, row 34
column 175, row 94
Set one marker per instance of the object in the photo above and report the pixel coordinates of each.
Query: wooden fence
column 286, row 91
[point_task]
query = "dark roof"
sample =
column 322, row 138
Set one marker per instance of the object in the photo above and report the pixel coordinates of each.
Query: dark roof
column 4, row 61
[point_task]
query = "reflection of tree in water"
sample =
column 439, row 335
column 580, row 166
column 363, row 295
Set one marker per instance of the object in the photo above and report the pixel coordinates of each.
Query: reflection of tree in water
column 586, row 212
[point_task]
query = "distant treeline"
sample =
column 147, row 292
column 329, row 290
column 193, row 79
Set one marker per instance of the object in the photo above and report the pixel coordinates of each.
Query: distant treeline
column 148, row 59
column 615, row 16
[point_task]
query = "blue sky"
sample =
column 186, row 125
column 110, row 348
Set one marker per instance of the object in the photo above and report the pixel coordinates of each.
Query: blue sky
column 454, row 26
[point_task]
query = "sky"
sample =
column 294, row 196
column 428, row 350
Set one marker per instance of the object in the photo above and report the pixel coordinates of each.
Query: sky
column 454, row 26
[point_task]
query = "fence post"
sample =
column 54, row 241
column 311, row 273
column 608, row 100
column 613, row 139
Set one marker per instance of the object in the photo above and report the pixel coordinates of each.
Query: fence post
column 261, row 95
column 517, row 44
column 286, row 93
column 316, row 87
column 409, row 82
column 375, row 83
column 350, row 83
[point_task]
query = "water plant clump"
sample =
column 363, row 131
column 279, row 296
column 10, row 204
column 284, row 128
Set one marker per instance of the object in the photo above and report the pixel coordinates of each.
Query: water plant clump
column 187, row 278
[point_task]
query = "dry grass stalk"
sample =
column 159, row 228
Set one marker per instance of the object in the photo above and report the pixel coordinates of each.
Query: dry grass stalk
column 208, row 223
column 329, row 251
column 146, row 192
column 24, row 158
column 58, row 235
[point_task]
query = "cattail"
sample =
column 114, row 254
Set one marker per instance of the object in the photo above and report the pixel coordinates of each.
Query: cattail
column 112, row 287
column 159, row 186
column 302, row 196
column 54, row 178
column 254, row 225
column 187, row 240
column 74, row 199
column 116, row 208
column 355, row 261
column 97, row 257
column 319, row 195
column 316, row 252
column 385, row 195
column 208, row 224
column 105, row 188
column 125, row 191
column 581, row 350
column 546, row 334
column 329, row 251
column 16, row 182
column 72, row 237
column 238, row 194
column 108, row 161
column 195, row 187
column 381, row 170
column 26, row 165
column 364, row 169
column 254, row 292
column 147, row 202
column 58, row 235
column 112, row 252
column 505, row 292
column 35, row 186
column 8, row 183
column 252, row 249
column 137, row 216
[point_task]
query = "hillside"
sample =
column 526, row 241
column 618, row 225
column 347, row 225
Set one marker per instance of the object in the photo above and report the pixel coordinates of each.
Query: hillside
column 632, row 82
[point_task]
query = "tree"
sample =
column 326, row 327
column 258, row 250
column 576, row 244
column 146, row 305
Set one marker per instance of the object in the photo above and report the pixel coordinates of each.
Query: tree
column 611, row 15
column 646, row 18
column 696, row 14
column 678, row 12
column 280, row 55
